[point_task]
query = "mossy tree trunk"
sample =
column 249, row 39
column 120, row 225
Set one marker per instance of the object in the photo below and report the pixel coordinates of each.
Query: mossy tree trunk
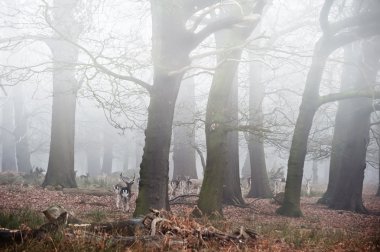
column 172, row 43
column 217, row 114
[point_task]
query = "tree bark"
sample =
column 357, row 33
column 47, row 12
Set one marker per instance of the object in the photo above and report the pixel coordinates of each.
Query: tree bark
column 61, row 156
column 183, row 132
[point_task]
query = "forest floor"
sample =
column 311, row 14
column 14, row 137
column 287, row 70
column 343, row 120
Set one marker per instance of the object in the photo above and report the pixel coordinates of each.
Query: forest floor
column 320, row 229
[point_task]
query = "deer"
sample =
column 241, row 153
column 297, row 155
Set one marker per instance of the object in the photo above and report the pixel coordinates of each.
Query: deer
column 124, row 192
column 193, row 184
column 308, row 186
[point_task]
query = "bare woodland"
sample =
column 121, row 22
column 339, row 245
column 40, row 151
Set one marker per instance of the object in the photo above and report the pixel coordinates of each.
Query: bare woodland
column 190, row 124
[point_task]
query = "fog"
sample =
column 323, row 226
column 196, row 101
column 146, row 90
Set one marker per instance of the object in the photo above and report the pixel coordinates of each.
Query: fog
column 93, row 87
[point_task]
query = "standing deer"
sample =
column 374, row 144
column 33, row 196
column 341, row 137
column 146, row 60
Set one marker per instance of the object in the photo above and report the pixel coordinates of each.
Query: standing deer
column 124, row 193
column 308, row 186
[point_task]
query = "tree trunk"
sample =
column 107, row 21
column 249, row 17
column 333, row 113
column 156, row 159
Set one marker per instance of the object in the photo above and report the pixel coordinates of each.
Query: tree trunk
column 8, row 162
column 347, row 194
column 291, row 205
column 217, row 114
column 154, row 169
column 183, row 132
column 61, row 157
column 349, row 74
column 22, row 144
column 231, row 188
column 259, row 177
column 171, row 45
column 330, row 41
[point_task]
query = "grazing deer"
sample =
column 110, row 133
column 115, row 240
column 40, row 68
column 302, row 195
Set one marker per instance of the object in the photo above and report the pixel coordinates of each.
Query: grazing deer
column 124, row 193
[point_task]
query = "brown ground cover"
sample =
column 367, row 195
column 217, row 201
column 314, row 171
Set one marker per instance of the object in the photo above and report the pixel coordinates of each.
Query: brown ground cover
column 321, row 229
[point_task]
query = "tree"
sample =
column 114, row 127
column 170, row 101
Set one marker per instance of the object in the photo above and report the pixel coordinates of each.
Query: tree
column 183, row 132
column 231, row 185
column 347, row 192
column 259, row 177
column 335, row 35
column 172, row 44
column 65, row 86
column 217, row 116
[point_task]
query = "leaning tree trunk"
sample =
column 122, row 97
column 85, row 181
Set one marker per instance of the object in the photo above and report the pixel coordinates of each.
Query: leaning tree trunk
column 259, row 177
column 8, row 162
column 347, row 193
column 183, row 132
column 61, row 156
column 22, row 144
column 291, row 205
